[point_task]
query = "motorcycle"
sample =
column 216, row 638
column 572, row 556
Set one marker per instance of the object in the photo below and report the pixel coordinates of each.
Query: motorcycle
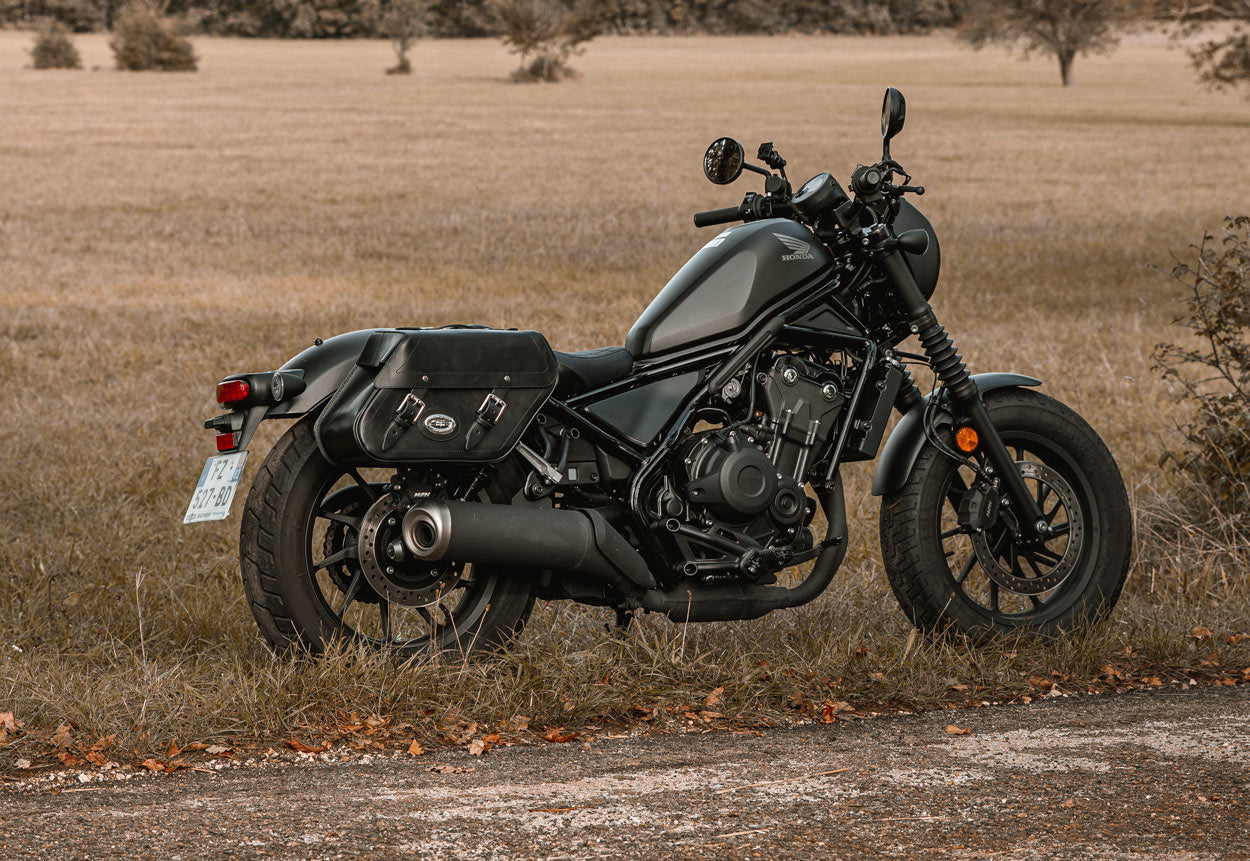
column 437, row 481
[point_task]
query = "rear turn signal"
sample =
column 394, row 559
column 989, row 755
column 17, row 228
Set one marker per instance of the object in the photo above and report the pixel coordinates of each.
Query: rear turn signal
column 967, row 440
column 233, row 391
column 225, row 441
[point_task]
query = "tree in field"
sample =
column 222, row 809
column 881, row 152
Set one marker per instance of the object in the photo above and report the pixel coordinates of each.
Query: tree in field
column 405, row 21
column 1223, row 61
column 545, row 34
column 1063, row 28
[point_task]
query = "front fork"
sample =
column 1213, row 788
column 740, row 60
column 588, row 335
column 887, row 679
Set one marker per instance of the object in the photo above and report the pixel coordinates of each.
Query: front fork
column 950, row 369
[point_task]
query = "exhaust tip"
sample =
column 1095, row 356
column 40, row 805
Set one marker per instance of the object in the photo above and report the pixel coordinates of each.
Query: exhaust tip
column 426, row 530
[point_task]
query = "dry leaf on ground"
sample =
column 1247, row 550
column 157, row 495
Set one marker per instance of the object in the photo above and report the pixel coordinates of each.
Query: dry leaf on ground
column 714, row 697
column 951, row 729
column 415, row 749
column 442, row 768
column 477, row 747
column 296, row 744
column 559, row 736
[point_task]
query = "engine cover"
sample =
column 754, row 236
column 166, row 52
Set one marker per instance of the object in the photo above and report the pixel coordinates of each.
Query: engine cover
column 732, row 478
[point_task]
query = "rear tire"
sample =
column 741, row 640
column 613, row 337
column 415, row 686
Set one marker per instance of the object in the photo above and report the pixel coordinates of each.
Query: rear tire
column 292, row 599
column 934, row 569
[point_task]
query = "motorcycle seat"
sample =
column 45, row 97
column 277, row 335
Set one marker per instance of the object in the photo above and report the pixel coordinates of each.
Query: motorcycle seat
column 589, row 369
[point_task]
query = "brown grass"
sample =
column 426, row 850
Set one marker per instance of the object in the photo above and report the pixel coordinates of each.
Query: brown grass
column 157, row 232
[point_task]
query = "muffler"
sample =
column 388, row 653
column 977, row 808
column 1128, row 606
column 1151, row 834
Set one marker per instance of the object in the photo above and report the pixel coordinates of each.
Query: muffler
column 522, row 537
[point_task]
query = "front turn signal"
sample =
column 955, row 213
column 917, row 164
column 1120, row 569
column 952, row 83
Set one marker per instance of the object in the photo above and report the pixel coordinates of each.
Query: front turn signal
column 967, row 440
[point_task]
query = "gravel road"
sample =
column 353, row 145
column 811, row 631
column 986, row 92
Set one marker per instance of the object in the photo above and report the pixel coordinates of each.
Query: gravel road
column 1158, row 775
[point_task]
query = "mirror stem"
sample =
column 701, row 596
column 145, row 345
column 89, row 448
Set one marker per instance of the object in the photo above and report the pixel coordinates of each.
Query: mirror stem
column 756, row 169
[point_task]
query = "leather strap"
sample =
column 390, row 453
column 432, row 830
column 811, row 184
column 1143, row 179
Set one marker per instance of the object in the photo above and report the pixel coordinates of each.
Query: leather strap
column 488, row 415
column 406, row 415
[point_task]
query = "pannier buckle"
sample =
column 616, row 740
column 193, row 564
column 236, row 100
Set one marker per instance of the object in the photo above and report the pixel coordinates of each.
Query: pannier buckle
column 409, row 410
column 491, row 409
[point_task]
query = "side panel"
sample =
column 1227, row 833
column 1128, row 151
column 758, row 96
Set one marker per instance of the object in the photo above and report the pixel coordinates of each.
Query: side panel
column 905, row 443
column 640, row 414
column 728, row 282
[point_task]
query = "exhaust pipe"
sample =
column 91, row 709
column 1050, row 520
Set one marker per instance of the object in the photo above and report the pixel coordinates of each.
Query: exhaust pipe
column 523, row 537
column 583, row 542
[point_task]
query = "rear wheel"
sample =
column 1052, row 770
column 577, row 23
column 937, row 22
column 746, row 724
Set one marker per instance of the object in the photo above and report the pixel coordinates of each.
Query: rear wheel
column 974, row 575
column 320, row 561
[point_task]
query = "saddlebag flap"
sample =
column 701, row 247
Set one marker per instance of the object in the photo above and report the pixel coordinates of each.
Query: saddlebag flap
column 454, row 394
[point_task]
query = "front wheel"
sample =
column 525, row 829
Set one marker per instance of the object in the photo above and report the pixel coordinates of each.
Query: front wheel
column 956, row 571
column 321, row 560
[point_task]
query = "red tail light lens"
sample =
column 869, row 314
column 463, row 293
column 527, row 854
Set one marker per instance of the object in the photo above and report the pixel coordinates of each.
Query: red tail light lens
column 233, row 391
column 225, row 441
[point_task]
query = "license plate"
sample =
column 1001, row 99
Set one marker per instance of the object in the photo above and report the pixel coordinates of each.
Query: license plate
column 215, row 490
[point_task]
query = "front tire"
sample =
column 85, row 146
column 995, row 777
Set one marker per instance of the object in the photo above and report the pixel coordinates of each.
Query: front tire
column 306, row 587
column 950, row 579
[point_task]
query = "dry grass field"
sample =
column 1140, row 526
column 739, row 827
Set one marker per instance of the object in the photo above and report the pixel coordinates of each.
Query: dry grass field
column 159, row 231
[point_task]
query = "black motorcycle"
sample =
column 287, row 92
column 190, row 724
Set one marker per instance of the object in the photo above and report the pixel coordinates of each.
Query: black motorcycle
column 438, row 481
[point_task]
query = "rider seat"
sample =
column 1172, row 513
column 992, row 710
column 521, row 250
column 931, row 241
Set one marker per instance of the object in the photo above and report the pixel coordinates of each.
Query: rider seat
column 590, row 369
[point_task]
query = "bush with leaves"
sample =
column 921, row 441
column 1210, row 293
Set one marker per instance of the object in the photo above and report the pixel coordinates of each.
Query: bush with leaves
column 545, row 34
column 53, row 48
column 144, row 39
column 404, row 22
column 1223, row 60
column 1216, row 454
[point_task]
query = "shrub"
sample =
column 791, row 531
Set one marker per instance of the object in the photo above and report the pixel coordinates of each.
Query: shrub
column 405, row 21
column 53, row 48
column 145, row 40
column 1216, row 454
column 545, row 34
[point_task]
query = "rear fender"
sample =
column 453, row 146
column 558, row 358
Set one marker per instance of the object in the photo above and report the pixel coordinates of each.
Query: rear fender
column 907, row 439
column 322, row 367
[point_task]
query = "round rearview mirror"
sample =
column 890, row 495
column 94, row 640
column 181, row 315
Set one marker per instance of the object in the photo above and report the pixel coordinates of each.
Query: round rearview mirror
column 893, row 112
column 722, row 163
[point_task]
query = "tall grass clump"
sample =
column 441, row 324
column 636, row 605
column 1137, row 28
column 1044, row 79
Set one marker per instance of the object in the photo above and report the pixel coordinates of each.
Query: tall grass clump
column 53, row 48
column 144, row 40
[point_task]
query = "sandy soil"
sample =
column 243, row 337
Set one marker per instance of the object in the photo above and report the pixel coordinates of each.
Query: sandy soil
column 1162, row 775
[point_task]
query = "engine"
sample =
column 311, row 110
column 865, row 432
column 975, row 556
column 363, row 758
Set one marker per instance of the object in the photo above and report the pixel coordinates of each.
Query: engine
column 743, row 482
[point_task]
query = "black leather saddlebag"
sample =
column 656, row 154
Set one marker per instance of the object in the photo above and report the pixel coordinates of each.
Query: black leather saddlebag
column 420, row 395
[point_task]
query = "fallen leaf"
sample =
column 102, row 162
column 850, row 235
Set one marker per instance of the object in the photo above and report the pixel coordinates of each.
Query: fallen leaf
column 173, row 749
column 1039, row 682
column 106, row 742
column 375, row 721
column 492, row 738
column 296, row 744
column 477, row 747
column 1233, row 640
column 520, row 723
column 1153, row 681
column 153, row 765
column 9, row 723
column 67, row 759
column 1201, row 632
column 415, row 749
column 96, row 758
column 1068, row 803
column 22, row 763
column 958, row 687
column 450, row 769
column 829, row 711
column 714, row 697
column 175, row 764
column 558, row 736
column 218, row 750
column 951, row 729
column 796, row 700
column 61, row 738
column 644, row 712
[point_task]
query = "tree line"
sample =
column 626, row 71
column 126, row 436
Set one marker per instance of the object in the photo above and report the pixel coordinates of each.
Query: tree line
column 471, row 18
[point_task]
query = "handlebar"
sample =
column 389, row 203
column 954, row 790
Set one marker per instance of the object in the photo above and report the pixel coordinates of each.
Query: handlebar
column 718, row 216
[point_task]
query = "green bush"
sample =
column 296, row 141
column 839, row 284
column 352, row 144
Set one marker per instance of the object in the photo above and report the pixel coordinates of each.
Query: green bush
column 144, row 40
column 53, row 48
column 1215, row 457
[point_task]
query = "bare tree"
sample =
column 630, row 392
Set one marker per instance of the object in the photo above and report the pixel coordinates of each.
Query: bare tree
column 1223, row 61
column 405, row 21
column 1064, row 28
column 545, row 34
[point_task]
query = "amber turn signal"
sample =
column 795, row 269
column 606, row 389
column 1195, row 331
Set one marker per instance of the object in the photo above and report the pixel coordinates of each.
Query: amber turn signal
column 967, row 440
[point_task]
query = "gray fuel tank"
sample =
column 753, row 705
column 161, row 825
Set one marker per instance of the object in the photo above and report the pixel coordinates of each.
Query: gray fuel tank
column 728, row 282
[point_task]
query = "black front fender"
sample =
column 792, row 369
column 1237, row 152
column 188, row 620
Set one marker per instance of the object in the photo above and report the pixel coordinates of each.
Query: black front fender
column 907, row 439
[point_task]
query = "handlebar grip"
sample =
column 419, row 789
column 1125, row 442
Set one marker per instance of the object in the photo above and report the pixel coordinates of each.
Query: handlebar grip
column 718, row 216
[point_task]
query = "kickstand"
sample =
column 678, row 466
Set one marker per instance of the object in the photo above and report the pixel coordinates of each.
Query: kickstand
column 623, row 618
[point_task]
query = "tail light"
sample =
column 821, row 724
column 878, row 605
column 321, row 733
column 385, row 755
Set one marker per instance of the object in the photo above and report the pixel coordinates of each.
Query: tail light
column 225, row 442
column 233, row 391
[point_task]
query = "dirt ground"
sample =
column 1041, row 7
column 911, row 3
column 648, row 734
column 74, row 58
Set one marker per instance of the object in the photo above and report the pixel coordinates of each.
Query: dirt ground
column 1159, row 775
